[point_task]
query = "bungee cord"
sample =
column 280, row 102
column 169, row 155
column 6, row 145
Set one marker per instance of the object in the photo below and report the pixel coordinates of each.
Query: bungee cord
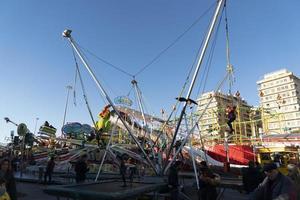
column 83, row 89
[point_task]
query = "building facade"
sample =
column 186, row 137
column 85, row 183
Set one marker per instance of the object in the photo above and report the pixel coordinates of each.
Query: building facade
column 279, row 102
column 213, row 121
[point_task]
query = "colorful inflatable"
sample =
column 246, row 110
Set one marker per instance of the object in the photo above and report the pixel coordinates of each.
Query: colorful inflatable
column 78, row 131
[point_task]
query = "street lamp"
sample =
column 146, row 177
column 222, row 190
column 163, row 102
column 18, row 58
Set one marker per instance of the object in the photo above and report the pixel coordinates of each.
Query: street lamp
column 36, row 120
column 8, row 120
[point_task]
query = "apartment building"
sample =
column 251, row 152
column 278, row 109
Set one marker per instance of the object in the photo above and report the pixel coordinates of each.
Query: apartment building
column 213, row 121
column 279, row 102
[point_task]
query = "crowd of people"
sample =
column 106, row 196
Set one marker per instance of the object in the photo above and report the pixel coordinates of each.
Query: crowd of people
column 260, row 183
column 208, row 182
column 275, row 185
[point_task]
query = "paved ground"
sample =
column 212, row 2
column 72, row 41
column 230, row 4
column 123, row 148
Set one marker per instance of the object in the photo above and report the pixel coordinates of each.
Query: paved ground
column 30, row 191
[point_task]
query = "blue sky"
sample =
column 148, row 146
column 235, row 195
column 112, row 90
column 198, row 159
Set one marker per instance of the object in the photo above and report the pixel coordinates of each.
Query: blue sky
column 36, row 62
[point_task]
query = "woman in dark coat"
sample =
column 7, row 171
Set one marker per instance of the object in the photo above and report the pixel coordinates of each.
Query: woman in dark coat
column 252, row 177
column 6, row 172
column 81, row 169
column 49, row 170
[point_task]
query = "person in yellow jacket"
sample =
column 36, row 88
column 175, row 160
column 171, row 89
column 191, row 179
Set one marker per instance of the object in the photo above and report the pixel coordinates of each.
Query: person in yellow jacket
column 3, row 194
column 103, row 124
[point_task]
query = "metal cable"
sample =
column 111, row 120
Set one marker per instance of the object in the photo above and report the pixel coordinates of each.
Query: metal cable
column 83, row 89
column 106, row 62
column 175, row 41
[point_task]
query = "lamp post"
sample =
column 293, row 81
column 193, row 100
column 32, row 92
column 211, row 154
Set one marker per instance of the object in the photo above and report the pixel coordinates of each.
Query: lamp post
column 36, row 120
column 280, row 102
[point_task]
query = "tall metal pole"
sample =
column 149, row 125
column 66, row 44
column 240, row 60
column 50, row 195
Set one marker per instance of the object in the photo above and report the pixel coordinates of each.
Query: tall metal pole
column 208, row 36
column 193, row 128
column 66, row 107
column 67, row 34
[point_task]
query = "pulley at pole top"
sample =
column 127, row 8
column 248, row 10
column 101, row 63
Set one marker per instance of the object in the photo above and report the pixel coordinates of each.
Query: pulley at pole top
column 67, row 33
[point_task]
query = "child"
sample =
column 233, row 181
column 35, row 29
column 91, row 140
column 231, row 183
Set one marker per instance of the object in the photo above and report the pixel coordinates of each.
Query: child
column 3, row 194
column 230, row 113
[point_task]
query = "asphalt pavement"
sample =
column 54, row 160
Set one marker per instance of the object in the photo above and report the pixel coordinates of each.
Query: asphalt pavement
column 32, row 191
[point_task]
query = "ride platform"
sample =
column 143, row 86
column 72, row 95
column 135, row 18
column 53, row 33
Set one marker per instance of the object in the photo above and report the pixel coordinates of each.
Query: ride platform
column 110, row 189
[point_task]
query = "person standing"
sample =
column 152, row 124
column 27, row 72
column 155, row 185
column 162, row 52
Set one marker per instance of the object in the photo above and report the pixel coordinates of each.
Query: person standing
column 173, row 182
column 208, row 182
column 49, row 170
column 274, row 186
column 81, row 169
column 3, row 194
column 293, row 173
column 252, row 177
column 10, row 183
column 123, row 171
